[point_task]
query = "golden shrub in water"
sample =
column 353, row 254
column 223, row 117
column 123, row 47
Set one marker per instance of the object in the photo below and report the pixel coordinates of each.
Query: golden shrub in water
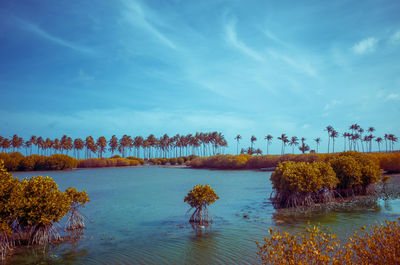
column 302, row 183
column 355, row 171
column 199, row 198
column 42, row 202
column 379, row 245
column 303, row 177
column 201, row 195
column 29, row 208
column 348, row 171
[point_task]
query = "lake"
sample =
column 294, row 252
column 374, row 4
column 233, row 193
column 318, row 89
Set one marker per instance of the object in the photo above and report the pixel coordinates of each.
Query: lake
column 137, row 216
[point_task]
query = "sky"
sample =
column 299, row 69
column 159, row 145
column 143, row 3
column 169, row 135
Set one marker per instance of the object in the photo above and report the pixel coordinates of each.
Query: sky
column 183, row 66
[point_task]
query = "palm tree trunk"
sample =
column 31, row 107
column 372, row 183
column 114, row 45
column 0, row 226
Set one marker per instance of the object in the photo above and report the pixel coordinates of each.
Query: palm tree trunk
column 329, row 142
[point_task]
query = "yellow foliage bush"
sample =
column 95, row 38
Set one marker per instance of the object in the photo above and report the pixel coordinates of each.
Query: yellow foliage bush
column 199, row 198
column 379, row 245
column 30, row 207
column 302, row 183
column 355, row 171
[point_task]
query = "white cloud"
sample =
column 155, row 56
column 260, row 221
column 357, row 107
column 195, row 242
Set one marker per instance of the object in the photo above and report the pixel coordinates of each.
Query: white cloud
column 365, row 46
column 232, row 38
column 46, row 35
column 393, row 96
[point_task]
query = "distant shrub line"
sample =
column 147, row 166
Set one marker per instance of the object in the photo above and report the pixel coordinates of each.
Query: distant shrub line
column 389, row 162
column 17, row 162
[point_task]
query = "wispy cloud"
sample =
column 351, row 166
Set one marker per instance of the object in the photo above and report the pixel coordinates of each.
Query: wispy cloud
column 35, row 29
column 231, row 37
column 295, row 62
column 396, row 36
column 298, row 65
column 393, row 96
column 365, row 46
column 139, row 16
column 332, row 104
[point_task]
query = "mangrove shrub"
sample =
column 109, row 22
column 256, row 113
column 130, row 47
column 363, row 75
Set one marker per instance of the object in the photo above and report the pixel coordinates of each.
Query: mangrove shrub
column 199, row 198
column 302, row 183
column 29, row 208
column 355, row 171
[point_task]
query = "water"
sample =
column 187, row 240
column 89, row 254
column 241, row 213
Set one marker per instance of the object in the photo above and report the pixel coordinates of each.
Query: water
column 137, row 216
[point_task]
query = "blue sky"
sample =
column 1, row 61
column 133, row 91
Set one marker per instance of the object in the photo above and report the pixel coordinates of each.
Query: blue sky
column 239, row 67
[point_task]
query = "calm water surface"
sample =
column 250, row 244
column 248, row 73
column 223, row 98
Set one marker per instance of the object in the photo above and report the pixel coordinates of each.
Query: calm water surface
column 137, row 216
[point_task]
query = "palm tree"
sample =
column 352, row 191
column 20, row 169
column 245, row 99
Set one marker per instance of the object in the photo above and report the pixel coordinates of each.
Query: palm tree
column 63, row 143
column 334, row 134
column 268, row 138
column 393, row 139
column 48, row 144
column 78, row 145
column 354, row 128
column 252, row 140
column 317, row 141
column 56, row 145
column 329, row 130
column 293, row 142
column 125, row 142
column 386, row 140
column 33, row 140
column 137, row 143
column 68, row 145
column 113, row 144
column 102, row 144
column 28, row 145
column 371, row 130
column 237, row 138
column 303, row 148
column 361, row 130
column 16, row 142
column 89, row 143
column 284, row 140
column 345, row 135
column 379, row 140
column 40, row 143
column 5, row 144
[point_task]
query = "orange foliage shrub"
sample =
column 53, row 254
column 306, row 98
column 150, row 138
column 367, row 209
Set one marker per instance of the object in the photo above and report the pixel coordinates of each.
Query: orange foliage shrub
column 379, row 245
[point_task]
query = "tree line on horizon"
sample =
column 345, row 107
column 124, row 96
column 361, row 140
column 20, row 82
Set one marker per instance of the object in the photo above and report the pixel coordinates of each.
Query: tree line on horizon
column 200, row 144
column 353, row 139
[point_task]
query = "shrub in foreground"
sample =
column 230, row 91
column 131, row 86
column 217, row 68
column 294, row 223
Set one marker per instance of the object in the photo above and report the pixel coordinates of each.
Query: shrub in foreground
column 378, row 245
column 30, row 208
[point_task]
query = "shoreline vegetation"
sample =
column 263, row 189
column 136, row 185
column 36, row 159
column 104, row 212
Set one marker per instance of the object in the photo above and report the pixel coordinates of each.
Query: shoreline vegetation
column 15, row 161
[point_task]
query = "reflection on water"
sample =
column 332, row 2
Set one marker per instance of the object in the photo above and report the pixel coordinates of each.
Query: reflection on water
column 137, row 216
